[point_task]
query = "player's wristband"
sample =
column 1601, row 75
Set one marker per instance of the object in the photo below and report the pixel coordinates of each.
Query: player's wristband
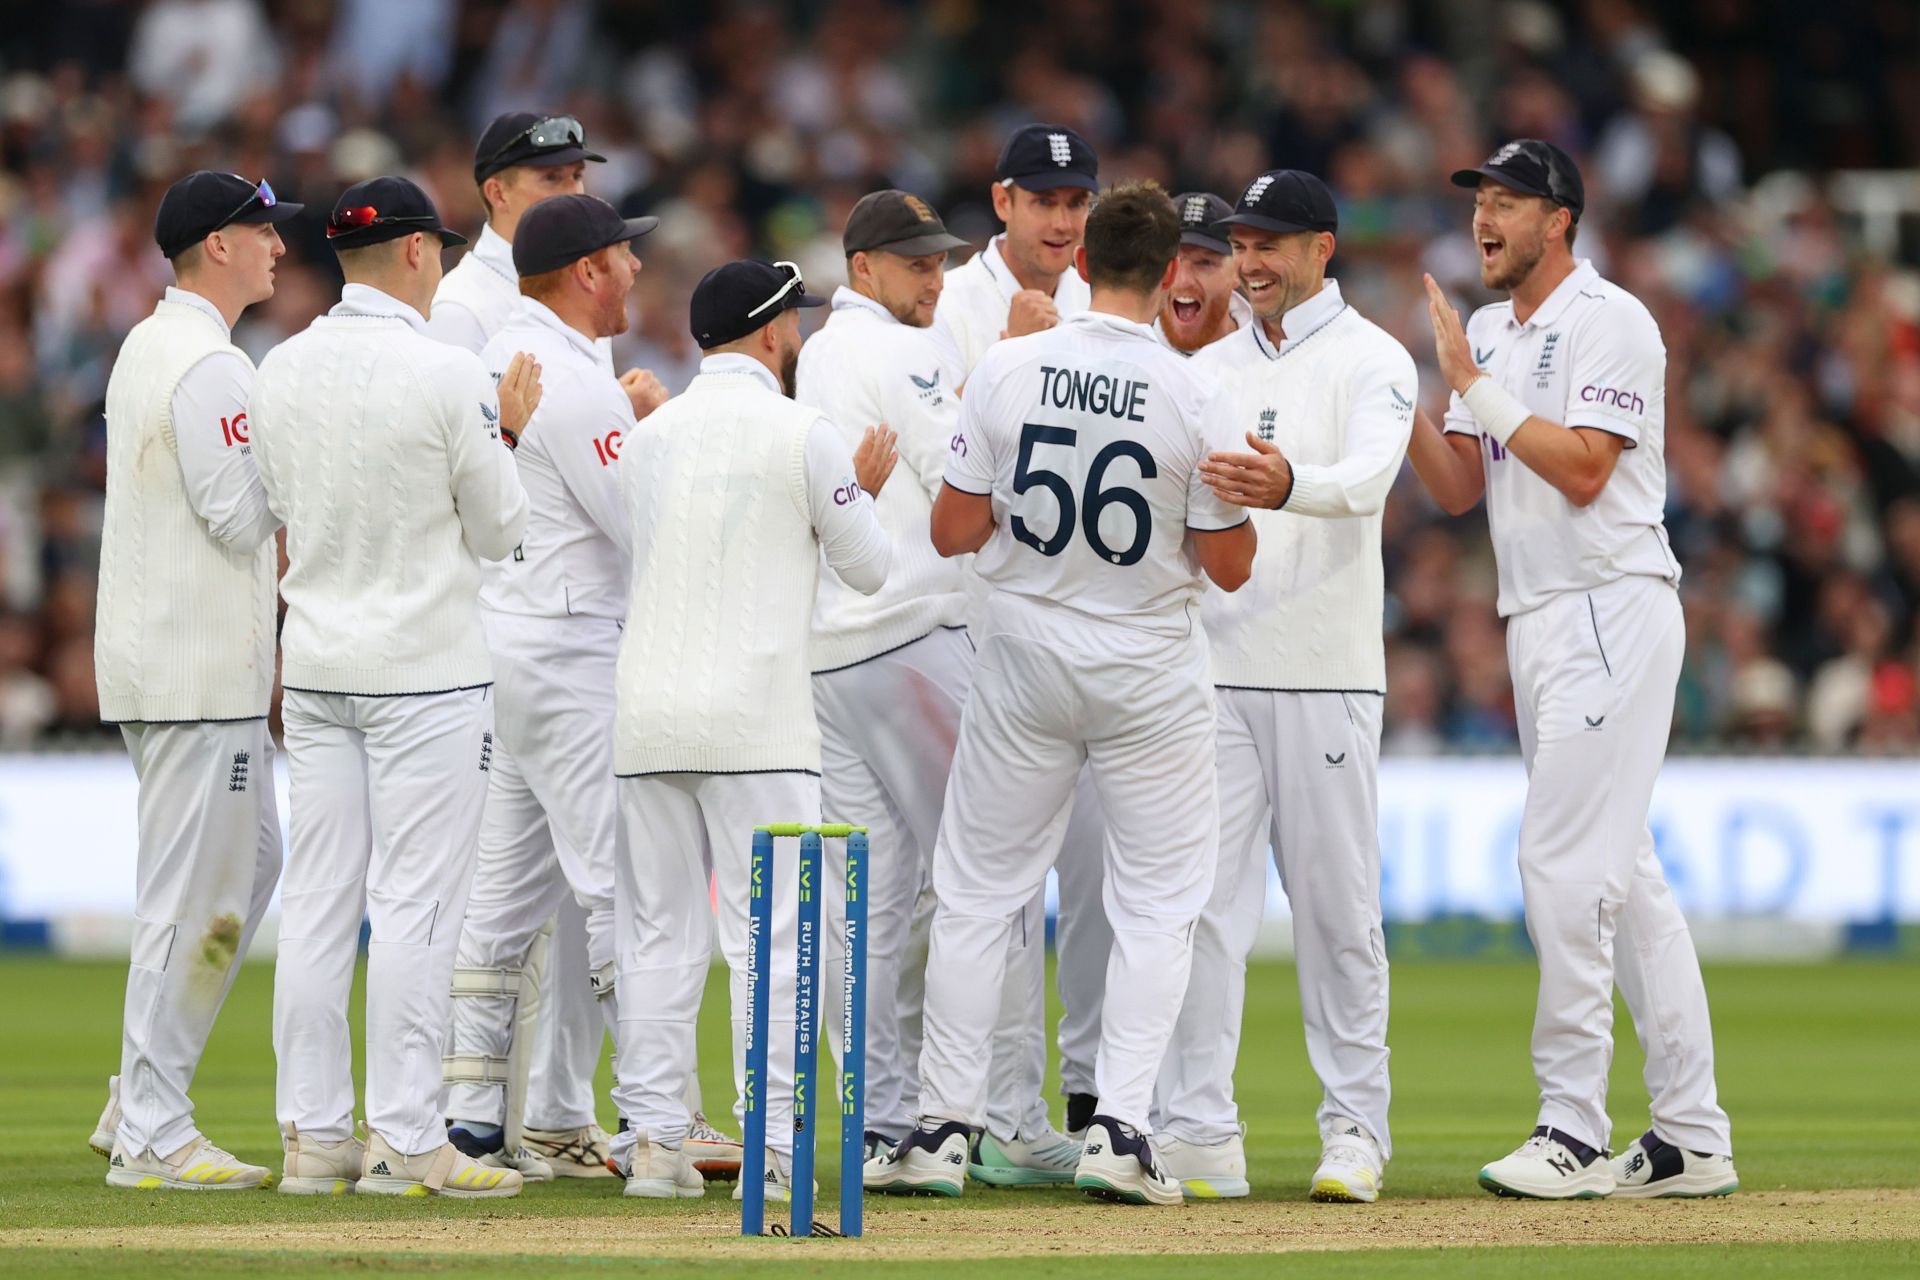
column 509, row 439
column 1497, row 410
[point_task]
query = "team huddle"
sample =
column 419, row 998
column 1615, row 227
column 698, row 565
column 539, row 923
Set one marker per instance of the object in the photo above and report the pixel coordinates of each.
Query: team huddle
column 1066, row 561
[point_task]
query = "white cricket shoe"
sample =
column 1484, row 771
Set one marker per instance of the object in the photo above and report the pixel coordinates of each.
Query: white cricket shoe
column 571, row 1153
column 1206, row 1171
column 777, row 1182
column 316, row 1168
column 444, row 1171
column 655, row 1172
column 1351, row 1169
column 1652, row 1168
column 712, row 1152
column 930, row 1161
column 492, row 1151
column 198, row 1166
column 1048, row 1158
column 1118, row 1163
column 107, row 1128
column 1550, row 1165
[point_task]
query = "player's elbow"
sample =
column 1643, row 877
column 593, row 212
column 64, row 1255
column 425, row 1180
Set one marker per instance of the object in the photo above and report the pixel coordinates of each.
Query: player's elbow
column 961, row 523
column 1584, row 487
column 1226, row 555
column 1456, row 502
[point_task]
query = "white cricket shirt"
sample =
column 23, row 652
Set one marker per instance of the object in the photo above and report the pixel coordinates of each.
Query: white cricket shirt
column 979, row 293
column 1089, row 438
column 1589, row 356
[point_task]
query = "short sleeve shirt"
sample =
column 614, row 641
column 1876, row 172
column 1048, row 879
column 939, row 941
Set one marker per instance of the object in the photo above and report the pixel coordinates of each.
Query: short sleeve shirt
column 1589, row 356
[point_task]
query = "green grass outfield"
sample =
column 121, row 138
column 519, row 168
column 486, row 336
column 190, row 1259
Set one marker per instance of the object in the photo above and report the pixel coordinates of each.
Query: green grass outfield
column 1817, row 1067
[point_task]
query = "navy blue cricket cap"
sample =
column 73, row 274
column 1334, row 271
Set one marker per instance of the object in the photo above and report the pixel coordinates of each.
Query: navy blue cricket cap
column 1200, row 215
column 1041, row 157
column 561, row 230
column 1285, row 200
column 526, row 137
column 1533, row 168
column 204, row 201
column 382, row 209
column 734, row 299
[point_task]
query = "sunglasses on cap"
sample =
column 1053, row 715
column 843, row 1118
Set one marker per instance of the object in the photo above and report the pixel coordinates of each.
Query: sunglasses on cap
column 793, row 282
column 542, row 135
column 261, row 197
column 360, row 217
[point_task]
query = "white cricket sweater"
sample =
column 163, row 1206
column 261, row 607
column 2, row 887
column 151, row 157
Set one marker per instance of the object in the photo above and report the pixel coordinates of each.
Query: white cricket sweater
column 734, row 492
column 1338, row 399
column 184, row 623
column 380, row 448
column 862, row 368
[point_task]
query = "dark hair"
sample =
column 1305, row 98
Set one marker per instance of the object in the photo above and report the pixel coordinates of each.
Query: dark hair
column 1133, row 232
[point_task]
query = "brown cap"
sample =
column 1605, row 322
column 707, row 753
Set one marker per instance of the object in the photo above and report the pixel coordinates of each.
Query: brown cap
column 896, row 222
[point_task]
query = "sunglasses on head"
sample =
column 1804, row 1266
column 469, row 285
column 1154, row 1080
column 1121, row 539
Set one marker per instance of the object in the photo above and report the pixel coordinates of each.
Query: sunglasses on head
column 360, row 217
column 261, row 197
column 543, row 135
column 793, row 282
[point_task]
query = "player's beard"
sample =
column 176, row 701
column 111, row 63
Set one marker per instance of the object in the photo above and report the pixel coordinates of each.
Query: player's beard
column 1198, row 334
column 789, row 366
column 1520, row 258
column 906, row 311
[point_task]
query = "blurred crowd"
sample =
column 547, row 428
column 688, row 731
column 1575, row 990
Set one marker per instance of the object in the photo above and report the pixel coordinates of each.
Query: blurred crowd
column 1709, row 134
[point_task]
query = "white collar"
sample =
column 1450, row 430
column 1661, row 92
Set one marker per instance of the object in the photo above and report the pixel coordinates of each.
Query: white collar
column 1562, row 296
column 533, row 311
column 365, row 300
column 188, row 298
column 1002, row 275
column 735, row 363
column 846, row 298
column 1112, row 324
column 495, row 252
column 1303, row 321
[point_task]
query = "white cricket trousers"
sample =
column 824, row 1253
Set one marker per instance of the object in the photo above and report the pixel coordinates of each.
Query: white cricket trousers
column 1299, row 773
column 686, row 843
column 547, row 840
column 887, row 732
column 209, row 857
column 386, row 801
column 1051, row 692
column 1593, row 682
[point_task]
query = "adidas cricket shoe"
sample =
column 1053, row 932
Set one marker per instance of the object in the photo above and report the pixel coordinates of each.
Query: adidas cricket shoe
column 444, row 1171
column 1206, row 1171
column 930, row 1161
column 1651, row 1168
column 571, row 1153
column 1351, row 1170
column 316, row 1168
column 776, row 1183
column 1550, row 1165
column 107, row 1128
column 198, row 1166
column 712, row 1152
column 656, row 1172
column 1118, row 1163
column 1048, row 1159
column 487, row 1143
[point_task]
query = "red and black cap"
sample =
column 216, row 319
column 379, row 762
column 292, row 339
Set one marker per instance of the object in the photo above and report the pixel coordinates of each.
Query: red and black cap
column 1201, row 213
column 1533, row 168
column 381, row 209
column 1041, row 157
column 525, row 137
column 204, row 201
column 1285, row 200
column 734, row 299
column 561, row 230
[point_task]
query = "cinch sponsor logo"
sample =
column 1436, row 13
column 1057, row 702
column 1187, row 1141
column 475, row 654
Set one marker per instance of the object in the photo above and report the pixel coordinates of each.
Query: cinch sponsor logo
column 1613, row 398
column 846, row 495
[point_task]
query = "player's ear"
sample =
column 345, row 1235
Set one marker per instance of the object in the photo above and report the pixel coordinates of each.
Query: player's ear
column 1080, row 262
column 1002, row 201
column 1166, row 277
column 1326, row 242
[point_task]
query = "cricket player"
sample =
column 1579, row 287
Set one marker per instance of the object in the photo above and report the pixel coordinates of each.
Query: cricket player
column 383, row 451
column 891, row 669
column 523, row 158
column 183, row 656
column 735, row 494
column 1023, row 282
column 1075, row 476
column 1203, row 306
column 552, row 614
column 1559, row 417
column 1325, row 402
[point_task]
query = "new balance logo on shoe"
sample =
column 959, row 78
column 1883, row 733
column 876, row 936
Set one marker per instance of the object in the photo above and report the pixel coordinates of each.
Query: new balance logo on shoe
column 1564, row 1165
column 1635, row 1162
column 380, row 1171
column 954, row 1157
column 1094, row 1148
